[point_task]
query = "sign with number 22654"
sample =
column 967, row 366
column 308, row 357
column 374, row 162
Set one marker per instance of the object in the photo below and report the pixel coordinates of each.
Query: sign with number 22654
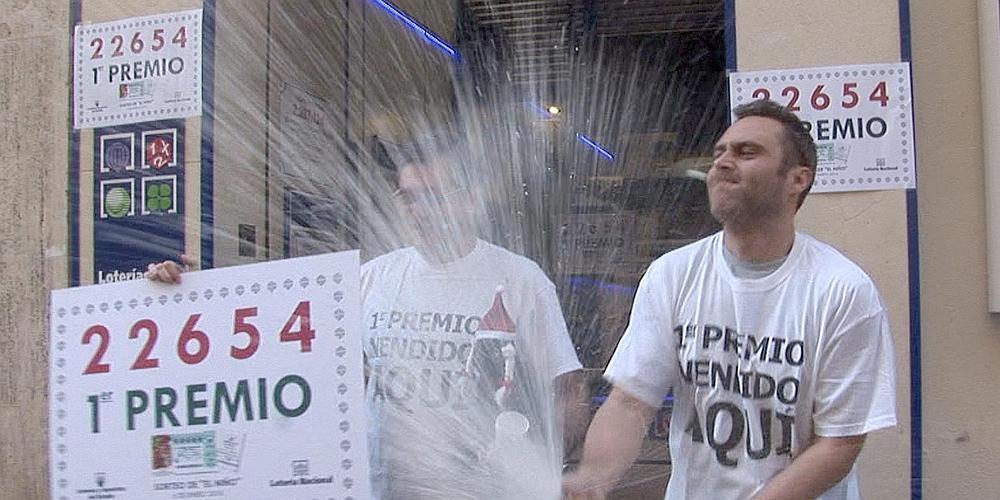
column 228, row 375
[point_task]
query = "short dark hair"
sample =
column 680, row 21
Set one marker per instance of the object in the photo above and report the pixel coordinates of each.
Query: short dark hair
column 420, row 146
column 799, row 147
column 441, row 146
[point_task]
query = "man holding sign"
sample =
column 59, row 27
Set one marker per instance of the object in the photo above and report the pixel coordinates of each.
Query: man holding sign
column 776, row 347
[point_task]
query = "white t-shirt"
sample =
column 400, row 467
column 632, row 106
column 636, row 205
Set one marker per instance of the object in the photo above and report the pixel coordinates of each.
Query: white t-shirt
column 420, row 321
column 757, row 366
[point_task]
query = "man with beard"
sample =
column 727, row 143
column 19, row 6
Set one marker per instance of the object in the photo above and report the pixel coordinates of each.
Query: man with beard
column 776, row 347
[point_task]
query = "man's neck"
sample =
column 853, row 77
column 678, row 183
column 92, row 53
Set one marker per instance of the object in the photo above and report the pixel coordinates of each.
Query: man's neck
column 762, row 241
column 450, row 252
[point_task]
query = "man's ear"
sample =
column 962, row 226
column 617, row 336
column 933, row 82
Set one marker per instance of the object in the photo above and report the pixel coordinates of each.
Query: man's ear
column 801, row 178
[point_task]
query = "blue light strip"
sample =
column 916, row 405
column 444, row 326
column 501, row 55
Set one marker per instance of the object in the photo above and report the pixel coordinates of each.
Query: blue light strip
column 539, row 109
column 595, row 146
column 418, row 28
column 583, row 281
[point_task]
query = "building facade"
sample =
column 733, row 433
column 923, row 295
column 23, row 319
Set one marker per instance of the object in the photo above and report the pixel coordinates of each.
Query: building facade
column 926, row 248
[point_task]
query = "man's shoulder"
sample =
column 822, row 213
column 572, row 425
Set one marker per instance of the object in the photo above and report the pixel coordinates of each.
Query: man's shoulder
column 830, row 264
column 684, row 257
column 506, row 261
column 838, row 276
column 388, row 260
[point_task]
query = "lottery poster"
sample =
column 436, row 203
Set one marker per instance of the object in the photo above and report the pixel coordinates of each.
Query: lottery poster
column 242, row 382
column 861, row 118
column 137, row 69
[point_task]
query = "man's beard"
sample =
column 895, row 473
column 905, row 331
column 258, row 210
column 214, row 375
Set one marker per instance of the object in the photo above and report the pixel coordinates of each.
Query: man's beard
column 748, row 207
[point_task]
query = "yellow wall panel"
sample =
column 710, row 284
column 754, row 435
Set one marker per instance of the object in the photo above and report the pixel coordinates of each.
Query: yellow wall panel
column 961, row 340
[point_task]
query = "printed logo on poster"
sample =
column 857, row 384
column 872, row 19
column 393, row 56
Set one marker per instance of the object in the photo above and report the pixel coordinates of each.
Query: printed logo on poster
column 103, row 487
column 117, row 152
column 300, row 468
column 137, row 69
column 860, row 117
column 159, row 148
column 301, row 474
column 159, row 195
column 117, row 198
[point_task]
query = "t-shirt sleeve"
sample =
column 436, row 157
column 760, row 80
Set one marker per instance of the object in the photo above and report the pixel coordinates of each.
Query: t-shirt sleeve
column 367, row 278
column 548, row 318
column 856, row 379
column 645, row 363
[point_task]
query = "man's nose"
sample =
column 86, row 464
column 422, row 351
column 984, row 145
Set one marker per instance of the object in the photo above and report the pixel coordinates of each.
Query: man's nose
column 723, row 162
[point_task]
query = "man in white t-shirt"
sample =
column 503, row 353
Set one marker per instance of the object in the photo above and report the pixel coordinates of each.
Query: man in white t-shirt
column 776, row 347
column 437, row 317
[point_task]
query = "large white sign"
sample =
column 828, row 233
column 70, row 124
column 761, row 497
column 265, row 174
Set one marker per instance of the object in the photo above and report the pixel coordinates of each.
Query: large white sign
column 138, row 69
column 243, row 382
column 860, row 116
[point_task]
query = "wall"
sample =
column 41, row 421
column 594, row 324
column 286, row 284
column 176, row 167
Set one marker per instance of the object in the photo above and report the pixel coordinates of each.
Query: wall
column 869, row 227
column 34, row 69
column 961, row 340
column 239, row 126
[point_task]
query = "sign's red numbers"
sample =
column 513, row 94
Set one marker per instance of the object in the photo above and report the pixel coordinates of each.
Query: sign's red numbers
column 821, row 98
column 136, row 42
column 193, row 344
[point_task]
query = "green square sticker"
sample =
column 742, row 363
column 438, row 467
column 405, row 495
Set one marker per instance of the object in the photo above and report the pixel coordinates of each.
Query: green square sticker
column 160, row 196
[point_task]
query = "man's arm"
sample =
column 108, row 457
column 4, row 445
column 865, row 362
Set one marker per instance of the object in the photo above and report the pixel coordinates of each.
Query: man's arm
column 816, row 470
column 854, row 395
column 571, row 408
column 613, row 442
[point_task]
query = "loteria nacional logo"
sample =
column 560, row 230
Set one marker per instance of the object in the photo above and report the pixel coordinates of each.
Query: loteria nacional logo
column 302, row 476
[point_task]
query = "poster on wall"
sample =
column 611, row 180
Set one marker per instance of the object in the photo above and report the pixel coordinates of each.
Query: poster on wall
column 589, row 243
column 138, row 198
column 243, row 382
column 305, row 140
column 137, row 69
column 861, row 118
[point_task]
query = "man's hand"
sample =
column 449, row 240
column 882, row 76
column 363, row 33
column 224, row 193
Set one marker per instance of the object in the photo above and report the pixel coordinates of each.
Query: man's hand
column 581, row 485
column 613, row 443
column 169, row 271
